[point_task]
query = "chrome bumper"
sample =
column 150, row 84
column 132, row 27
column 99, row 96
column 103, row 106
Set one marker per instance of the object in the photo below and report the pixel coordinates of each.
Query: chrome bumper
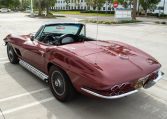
column 153, row 82
column 160, row 75
column 109, row 97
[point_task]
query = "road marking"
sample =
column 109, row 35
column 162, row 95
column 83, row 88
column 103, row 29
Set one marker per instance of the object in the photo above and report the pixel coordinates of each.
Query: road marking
column 1, row 62
column 156, row 98
column 24, row 94
column 4, row 60
column 27, row 106
column 1, row 58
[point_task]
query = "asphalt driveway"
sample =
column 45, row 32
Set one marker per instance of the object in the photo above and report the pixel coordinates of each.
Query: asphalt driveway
column 24, row 96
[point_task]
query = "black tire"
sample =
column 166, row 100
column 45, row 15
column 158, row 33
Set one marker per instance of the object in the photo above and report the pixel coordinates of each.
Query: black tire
column 12, row 56
column 61, row 85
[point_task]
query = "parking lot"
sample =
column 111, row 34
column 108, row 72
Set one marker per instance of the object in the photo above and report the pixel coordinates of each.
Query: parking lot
column 24, row 96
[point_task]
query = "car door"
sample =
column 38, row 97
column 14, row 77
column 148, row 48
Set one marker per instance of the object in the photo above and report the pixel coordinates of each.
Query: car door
column 35, row 53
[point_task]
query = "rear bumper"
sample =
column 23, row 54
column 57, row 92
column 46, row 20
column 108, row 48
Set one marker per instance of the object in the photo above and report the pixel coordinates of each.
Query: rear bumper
column 150, row 84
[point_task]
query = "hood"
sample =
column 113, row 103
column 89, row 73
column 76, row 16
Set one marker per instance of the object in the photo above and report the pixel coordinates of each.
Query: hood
column 115, row 60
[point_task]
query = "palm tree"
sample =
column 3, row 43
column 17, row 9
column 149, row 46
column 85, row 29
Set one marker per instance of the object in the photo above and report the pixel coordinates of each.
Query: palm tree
column 67, row 4
column 44, row 4
column 134, row 9
column 88, row 4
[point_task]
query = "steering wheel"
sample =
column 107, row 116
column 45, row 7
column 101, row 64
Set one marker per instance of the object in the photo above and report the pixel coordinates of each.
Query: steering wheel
column 66, row 38
column 49, row 38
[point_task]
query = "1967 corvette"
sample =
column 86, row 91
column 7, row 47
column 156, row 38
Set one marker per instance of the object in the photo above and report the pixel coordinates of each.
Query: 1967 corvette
column 70, row 62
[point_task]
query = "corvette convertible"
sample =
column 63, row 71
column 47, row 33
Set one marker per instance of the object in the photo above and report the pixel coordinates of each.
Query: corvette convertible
column 62, row 55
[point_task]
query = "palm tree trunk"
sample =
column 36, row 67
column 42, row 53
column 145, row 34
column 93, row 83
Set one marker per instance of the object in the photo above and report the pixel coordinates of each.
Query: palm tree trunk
column 39, row 8
column 134, row 9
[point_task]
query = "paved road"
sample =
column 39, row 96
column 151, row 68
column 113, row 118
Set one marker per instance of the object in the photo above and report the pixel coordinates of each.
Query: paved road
column 111, row 18
column 24, row 96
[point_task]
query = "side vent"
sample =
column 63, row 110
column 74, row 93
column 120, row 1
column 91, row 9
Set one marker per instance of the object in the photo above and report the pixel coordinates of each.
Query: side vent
column 18, row 52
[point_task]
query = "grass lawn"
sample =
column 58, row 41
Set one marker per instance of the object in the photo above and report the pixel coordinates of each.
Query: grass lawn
column 110, row 22
column 79, row 13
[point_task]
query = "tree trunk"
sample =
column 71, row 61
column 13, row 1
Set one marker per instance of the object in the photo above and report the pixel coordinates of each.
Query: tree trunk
column 134, row 9
column 145, row 12
column 47, row 11
column 138, row 11
column 39, row 8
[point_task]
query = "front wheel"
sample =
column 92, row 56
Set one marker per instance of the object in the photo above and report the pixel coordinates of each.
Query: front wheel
column 12, row 56
column 61, row 85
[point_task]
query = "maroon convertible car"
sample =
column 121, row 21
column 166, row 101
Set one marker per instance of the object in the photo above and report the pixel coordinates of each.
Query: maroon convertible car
column 70, row 62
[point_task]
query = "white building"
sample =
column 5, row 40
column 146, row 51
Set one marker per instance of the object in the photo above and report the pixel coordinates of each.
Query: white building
column 62, row 5
column 81, row 5
column 161, row 7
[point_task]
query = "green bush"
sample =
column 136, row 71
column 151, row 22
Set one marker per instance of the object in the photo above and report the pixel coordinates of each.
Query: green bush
column 110, row 22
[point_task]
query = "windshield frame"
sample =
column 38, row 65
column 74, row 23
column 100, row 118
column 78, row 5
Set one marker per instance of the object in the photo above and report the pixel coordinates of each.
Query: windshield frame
column 41, row 29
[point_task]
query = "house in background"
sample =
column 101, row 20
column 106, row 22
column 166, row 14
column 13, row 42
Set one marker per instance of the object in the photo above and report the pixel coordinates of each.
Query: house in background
column 81, row 5
column 161, row 8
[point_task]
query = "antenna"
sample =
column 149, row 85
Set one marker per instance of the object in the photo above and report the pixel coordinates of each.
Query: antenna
column 97, row 26
column 97, row 20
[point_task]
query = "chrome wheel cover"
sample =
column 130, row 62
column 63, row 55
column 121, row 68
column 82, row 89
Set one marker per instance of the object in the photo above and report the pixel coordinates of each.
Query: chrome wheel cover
column 58, row 83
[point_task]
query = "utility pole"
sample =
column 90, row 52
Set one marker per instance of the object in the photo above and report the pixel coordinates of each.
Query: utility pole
column 32, row 11
column 164, row 6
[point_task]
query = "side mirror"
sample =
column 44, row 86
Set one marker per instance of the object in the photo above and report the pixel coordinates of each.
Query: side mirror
column 32, row 38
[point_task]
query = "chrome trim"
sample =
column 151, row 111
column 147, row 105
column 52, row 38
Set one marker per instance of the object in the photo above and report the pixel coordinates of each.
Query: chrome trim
column 160, row 75
column 151, row 83
column 109, row 97
column 33, row 70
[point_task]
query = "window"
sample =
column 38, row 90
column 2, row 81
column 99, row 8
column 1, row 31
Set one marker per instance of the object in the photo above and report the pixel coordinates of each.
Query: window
column 104, row 8
column 62, row 29
column 39, row 32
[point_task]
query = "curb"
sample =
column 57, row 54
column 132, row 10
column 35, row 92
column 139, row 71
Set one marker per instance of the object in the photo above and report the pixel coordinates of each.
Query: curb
column 161, row 22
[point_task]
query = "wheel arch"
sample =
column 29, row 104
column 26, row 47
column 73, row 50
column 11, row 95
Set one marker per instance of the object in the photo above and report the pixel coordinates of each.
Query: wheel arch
column 50, row 64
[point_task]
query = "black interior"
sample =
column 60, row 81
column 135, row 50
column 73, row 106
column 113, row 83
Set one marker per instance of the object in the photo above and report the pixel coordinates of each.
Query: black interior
column 58, row 39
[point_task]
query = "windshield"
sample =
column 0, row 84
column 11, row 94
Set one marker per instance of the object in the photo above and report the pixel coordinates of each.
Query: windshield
column 62, row 29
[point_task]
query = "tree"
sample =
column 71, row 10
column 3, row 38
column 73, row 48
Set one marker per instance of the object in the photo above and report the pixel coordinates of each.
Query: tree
column 88, row 3
column 13, row 4
column 49, row 3
column 39, row 3
column 93, row 4
column 25, row 4
column 100, row 3
column 44, row 5
column 134, row 9
column 97, row 4
column 148, row 4
column 67, row 4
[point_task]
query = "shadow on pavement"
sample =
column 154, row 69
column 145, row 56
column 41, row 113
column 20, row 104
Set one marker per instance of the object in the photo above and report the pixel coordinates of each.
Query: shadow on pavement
column 136, row 106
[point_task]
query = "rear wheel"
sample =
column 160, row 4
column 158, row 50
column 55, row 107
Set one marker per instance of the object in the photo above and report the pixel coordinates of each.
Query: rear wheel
column 12, row 56
column 61, row 85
